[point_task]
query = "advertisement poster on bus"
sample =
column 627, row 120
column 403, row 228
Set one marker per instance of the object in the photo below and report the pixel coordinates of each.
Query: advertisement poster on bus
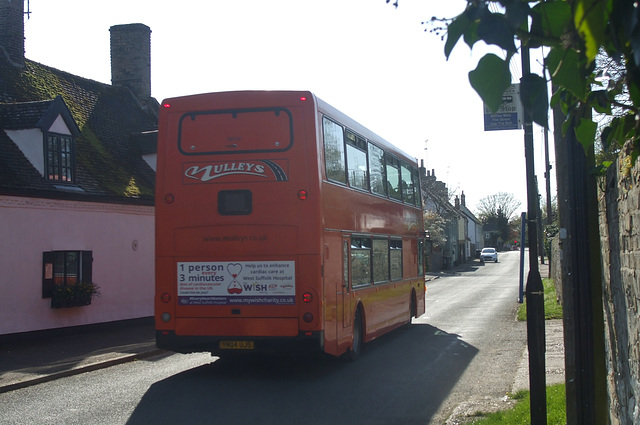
column 236, row 283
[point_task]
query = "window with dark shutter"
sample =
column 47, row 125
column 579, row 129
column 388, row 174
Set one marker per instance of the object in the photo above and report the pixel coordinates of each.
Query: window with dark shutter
column 65, row 268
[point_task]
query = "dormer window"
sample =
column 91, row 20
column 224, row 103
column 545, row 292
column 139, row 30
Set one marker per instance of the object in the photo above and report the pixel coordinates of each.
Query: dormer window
column 60, row 158
column 46, row 133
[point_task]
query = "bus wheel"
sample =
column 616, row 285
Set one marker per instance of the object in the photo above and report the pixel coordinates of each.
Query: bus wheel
column 356, row 349
column 412, row 311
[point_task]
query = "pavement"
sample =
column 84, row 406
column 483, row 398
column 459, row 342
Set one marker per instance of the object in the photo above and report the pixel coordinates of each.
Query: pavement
column 554, row 350
column 35, row 357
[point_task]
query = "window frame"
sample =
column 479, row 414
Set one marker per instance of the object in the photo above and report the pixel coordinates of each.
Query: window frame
column 331, row 174
column 356, row 144
column 51, row 272
column 408, row 187
column 372, row 148
column 395, row 246
column 392, row 162
column 358, row 247
column 186, row 148
column 376, row 260
column 59, row 162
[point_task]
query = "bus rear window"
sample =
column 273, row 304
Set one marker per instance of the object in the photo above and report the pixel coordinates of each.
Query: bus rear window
column 235, row 131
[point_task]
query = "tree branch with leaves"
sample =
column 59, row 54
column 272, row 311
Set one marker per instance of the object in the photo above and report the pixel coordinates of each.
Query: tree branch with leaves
column 576, row 33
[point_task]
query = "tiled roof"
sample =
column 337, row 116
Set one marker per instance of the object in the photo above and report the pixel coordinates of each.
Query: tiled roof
column 17, row 116
column 115, row 129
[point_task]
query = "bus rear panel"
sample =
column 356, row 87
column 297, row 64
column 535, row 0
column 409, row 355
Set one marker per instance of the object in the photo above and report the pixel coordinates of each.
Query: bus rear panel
column 281, row 225
column 237, row 216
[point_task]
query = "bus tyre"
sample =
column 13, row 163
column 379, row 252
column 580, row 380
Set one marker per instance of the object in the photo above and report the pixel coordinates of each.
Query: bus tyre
column 356, row 348
column 412, row 312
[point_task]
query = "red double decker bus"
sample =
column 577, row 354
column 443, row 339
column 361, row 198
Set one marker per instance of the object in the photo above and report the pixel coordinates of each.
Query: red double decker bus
column 281, row 223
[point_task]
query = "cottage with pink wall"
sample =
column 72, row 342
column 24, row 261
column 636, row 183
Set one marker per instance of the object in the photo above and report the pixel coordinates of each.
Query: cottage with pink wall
column 76, row 185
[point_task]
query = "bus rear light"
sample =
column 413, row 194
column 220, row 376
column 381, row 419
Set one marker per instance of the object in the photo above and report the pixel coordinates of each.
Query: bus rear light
column 307, row 317
column 307, row 297
column 169, row 198
column 165, row 298
column 303, row 194
column 303, row 98
column 166, row 317
column 166, row 105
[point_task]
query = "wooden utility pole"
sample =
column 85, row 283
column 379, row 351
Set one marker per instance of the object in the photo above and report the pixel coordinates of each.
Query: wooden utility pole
column 583, row 316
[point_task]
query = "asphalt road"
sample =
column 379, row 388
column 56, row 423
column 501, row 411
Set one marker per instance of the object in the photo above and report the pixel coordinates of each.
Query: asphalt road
column 479, row 305
column 466, row 347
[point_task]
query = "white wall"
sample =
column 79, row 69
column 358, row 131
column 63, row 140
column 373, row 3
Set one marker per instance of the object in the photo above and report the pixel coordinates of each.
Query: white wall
column 121, row 238
column 30, row 143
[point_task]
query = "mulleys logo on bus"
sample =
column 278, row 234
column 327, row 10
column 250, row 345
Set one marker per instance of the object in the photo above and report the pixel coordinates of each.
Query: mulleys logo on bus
column 269, row 170
column 210, row 172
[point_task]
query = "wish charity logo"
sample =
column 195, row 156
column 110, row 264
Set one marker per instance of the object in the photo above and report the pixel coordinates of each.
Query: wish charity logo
column 234, row 269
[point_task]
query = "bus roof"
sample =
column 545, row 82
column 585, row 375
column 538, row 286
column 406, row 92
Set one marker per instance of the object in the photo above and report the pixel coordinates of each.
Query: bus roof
column 200, row 100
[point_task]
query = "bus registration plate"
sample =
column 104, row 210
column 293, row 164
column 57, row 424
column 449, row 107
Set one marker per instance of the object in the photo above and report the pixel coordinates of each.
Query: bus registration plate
column 236, row 345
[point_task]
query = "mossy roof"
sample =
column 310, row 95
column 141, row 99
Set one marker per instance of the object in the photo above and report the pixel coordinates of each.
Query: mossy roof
column 115, row 130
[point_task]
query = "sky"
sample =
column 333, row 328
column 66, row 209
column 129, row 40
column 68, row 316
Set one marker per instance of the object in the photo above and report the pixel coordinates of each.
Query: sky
column 376, row 63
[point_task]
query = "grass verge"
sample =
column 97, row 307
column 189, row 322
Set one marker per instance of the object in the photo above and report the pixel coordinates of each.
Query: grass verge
column 520, row 413
column 552, row 309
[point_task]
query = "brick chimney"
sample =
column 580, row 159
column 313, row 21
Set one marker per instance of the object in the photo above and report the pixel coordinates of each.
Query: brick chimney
column 131, row 58
column 463, row 201
column 12, row 30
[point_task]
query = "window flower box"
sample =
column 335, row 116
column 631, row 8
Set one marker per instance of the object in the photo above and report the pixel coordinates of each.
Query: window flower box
column 74, row 295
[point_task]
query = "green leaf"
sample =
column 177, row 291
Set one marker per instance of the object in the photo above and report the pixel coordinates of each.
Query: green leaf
column 620, row 130
column 591, row 18
column 601, row 169
column 471, row 34
column 490, row 79
column 454, row 31
column 599, row 101
column 550, row 20
column 634, row 92
column 565, row 71
column 556, row 98
column 517, row 13
column 586, row 133
column 559, row 99
column 493, row 29
column 534, row 98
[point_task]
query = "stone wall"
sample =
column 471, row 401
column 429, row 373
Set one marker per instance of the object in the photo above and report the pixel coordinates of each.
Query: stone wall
column 619, row 199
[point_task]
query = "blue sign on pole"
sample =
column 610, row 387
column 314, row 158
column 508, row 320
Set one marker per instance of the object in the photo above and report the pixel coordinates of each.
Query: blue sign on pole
column 509, row 115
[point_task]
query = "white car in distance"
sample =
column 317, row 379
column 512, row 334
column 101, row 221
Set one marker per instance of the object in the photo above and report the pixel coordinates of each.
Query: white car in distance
column 489, row 254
